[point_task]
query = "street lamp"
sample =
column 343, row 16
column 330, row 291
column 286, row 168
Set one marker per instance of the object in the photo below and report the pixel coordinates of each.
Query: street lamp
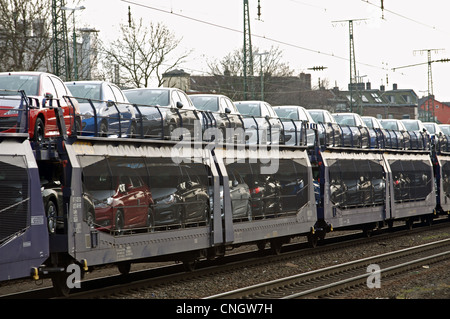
column 74, row 39
column 261, row 73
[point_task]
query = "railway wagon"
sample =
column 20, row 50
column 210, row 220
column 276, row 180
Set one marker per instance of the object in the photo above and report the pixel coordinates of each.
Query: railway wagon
column 442, row 171
column 353, row 185
column 24, row 244
column 281, row 200
column 144, row 200
column 366, row 189
column 412, row 186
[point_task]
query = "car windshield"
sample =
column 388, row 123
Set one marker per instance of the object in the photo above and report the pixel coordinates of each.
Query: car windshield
column 411, row 125
column 368, row 122
column 287, row 113
column 345, row 119
column 430, row 128
column 85, row 91
column 148, row 97
column 205, row 103
column 445, row 129
column 317, row 116
column 28, row 83
column 389, row 125
column 252, row 109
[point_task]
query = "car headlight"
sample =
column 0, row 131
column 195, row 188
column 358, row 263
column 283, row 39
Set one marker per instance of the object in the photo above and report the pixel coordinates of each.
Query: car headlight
column 88, row 115
column 104, row 203
column 168, row 200
column 12, row 112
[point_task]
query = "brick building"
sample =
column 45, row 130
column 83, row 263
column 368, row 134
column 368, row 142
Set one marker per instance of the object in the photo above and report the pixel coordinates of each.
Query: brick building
column 431, row 110
column 296, row 90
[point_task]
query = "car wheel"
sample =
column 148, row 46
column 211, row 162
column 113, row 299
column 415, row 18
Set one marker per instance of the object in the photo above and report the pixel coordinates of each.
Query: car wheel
column 172, row 127
column 249, row 211
column 103, row 130
column 39, row 130
column 150, row 220
column 133, row 131
column 119, row 222
column 52, row 214
column 90, row 218
column 207, row 213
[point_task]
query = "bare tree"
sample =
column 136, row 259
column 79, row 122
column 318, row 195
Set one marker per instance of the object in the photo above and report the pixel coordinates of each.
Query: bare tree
column 25, row 40
column 141, row 53
column 232, row 64
column 229, row 77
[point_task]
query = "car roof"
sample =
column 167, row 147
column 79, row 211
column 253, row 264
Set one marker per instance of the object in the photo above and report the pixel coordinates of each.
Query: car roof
column 208, row 94
column 25, row 73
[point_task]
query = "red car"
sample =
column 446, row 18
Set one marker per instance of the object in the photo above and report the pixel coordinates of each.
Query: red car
column 128, row 204
column 43, row 92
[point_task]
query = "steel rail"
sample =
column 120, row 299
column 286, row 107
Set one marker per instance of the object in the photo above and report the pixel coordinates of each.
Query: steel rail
column 311, row 283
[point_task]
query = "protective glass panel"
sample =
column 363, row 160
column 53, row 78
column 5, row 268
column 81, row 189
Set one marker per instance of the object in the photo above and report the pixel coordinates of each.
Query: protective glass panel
column 356, row 183
column 145, row 194
column 412, row 180
column 255, row 195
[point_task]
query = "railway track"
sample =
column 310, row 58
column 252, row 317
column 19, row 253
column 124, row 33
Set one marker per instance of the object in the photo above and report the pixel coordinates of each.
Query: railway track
column 145, row 279
column 327, row 281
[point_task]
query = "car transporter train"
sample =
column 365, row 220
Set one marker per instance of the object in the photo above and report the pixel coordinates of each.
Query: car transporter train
column 91, row 201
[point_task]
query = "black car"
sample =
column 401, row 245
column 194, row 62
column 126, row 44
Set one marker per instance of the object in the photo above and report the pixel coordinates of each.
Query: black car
column 162, row 110
column 261, row 123
column 355, row 132
column 225, row 114
column 51, row 175
column 297, row 124
column 180, row 194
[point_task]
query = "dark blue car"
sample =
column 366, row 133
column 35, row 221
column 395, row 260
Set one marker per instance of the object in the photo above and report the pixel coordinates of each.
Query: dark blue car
column 105, row 111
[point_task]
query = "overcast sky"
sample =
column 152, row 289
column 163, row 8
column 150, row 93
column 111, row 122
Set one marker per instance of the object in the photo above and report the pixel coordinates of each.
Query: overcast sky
column 306, row 32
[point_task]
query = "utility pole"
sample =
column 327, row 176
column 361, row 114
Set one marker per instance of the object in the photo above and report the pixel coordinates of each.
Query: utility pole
column 248, row 54
column 430, row 83
column 60, row 58
column 353, row 73
column 427, row 116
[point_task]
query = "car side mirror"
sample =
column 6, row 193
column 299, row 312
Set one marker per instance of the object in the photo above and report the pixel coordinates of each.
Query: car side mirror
column 47, row 96
column 179, row 104
column 109, row 103
column 267, row 117
column 227, row 110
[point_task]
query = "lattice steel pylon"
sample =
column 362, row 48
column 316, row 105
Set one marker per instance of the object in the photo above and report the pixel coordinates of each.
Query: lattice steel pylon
column 60, row 59
column 353, row 80
column 353, row 73
column 248, row 54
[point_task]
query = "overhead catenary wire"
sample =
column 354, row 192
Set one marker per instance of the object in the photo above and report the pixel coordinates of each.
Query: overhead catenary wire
column 253, row 35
